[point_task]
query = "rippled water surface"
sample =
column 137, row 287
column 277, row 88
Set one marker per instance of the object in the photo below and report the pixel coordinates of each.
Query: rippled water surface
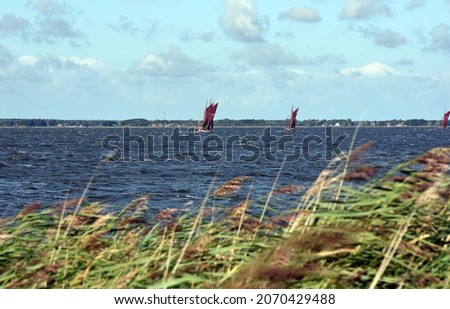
column 49, row 165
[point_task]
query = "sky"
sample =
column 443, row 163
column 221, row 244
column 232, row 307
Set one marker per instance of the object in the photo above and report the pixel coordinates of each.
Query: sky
column 164, row 59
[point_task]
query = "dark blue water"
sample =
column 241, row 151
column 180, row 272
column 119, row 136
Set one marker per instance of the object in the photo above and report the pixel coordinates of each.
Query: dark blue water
column 50, row 165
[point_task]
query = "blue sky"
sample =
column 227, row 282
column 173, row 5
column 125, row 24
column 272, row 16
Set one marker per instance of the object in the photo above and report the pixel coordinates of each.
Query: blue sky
column 156, row 59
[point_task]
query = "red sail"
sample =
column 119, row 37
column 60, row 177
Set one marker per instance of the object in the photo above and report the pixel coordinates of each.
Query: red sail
column 211, row 116
column 293, row 118
column 206, row 116
column 208, row 119
column 445, row 119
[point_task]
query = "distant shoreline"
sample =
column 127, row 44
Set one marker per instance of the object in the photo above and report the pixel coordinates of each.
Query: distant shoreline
column 220, row 123
column 218, row 127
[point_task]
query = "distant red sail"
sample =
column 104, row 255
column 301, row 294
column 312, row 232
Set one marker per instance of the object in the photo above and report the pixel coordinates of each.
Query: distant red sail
column 208, row 119
column 445, row 119
column 211, row 116
column 207, row 116
column 293, row 118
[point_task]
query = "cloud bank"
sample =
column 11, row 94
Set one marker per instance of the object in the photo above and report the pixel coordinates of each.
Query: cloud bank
column 171, row 64
column 54, row 22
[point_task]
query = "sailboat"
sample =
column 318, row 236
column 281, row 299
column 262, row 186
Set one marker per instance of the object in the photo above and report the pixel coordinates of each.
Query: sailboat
column 293, row 120
column 445, row 119
column 208, row 117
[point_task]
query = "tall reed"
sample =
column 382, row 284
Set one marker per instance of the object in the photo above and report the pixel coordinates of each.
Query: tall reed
column 346, row 231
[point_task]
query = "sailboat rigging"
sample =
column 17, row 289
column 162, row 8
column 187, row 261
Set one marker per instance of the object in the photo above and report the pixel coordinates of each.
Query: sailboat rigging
column 293, row 120
column 445, row 120
column 208, row 117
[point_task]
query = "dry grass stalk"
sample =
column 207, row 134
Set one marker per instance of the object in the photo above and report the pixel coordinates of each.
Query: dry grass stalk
column 230, row 187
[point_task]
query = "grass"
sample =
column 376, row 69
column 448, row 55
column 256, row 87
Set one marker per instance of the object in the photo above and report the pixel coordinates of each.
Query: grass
column 389, row 232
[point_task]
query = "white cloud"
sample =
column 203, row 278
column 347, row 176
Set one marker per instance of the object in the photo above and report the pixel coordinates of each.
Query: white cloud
column 50, row 7
column 36, row 69
column 386, row 37
column 414, row 4
column 268, row 54
column 389, row 38
column 174, row 64
column 6, row 57
column 12, row 25
column 405, row 61
column 188, row 35
column 241, row 21
column 54, row 22
column 304, row 14
column 51, row 30
column 375, row 69
column 123, row 24
column 284, row 33
column 207, row 36
column 50, row 74
column 153, row 63
column 27, row 60
column 55, row 62
column 440, row 38
column 363, row 9
column 92, row 63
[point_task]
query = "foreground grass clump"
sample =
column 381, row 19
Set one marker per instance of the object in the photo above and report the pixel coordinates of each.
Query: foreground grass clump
column 393, row 232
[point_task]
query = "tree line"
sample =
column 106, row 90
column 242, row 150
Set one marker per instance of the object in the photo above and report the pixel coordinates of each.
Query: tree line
column 139, row 122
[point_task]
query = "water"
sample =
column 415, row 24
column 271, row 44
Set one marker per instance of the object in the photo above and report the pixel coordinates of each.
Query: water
column 50, row 165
